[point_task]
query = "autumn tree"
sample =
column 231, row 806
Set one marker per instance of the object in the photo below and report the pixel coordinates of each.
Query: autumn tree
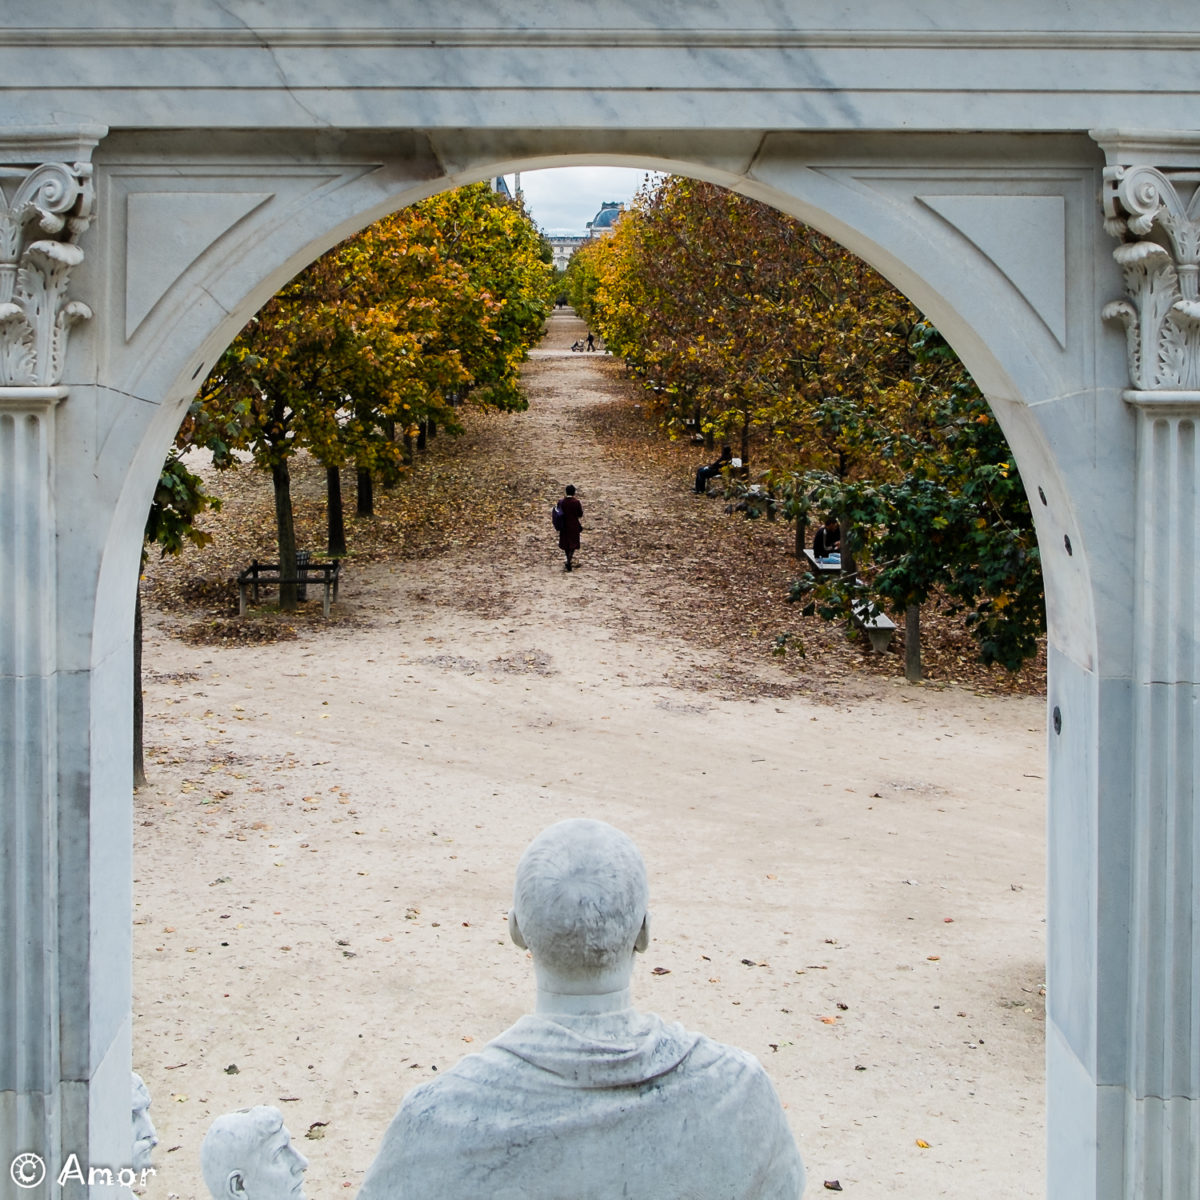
column 751, row 325
column 385, row 333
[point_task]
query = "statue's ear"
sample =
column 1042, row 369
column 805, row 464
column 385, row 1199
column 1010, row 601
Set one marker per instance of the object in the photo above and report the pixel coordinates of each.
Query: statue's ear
column 643, row 937
column 235, row 1186
column 514, row 930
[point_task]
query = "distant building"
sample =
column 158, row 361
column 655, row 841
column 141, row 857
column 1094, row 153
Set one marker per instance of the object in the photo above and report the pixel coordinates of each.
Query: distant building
column 602, row 225
column 564, row 245
column 605, row 221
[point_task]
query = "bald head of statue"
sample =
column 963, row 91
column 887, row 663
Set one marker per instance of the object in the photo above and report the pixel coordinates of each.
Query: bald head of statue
column 580, row 908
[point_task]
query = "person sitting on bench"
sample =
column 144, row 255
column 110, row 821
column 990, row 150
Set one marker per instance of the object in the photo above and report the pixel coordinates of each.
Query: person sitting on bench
column 828, row 539
column 704, row 474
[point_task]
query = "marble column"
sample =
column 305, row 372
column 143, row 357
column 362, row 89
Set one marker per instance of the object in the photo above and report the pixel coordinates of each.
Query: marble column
column 1162, row 1151
column 44, row 207
column 29, row 1051
column 1154, row 209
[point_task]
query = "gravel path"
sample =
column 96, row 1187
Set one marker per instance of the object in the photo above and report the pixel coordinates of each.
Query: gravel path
column 847, row 883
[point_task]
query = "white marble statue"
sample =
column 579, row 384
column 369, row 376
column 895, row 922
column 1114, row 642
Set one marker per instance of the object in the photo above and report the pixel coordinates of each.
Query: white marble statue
column 589, row 1098
column 144, row 1136
column 248, row 1155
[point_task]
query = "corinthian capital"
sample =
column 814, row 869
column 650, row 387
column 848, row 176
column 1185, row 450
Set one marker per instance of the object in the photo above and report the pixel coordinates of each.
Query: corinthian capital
column 1152, row 205
column 44, row 208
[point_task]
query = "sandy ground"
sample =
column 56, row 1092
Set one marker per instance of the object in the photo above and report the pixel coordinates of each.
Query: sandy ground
column 853, row 891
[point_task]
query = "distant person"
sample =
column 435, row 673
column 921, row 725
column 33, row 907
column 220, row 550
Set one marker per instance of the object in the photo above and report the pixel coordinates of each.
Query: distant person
column 704, row 474
column 570, row 523
column 828, row 539
column 591, row 342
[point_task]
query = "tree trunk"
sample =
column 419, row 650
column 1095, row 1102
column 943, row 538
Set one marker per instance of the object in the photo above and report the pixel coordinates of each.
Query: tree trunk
column 389, row 473
column 365, row 504
column 431, row 429
column 745, row 439
column 335, row 518
column 849, row 566
column 422, row 431
column 286, row 529
column 408, row 448
column 801, row 536
column 912, row 643
column 139, row 759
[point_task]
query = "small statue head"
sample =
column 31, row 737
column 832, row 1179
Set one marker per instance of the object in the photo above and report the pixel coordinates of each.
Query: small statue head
column 144, row 1136
column 580, row 905
column 248, row 1155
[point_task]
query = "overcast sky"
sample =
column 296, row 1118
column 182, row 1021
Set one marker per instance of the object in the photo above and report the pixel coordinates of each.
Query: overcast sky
column 565, row 199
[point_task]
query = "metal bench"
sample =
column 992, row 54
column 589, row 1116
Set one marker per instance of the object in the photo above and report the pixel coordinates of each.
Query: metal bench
column 258, row 575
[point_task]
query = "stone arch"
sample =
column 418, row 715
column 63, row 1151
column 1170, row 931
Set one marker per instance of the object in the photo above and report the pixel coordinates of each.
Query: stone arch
column 933, row 133
column 904, row 225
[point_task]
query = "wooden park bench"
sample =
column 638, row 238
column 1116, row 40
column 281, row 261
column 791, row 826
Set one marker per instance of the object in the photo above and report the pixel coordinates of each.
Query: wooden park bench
column 878, row 628
column 258, row 575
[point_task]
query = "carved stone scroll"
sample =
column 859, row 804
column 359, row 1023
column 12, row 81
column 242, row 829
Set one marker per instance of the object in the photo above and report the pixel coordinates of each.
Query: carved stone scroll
column 1156, row 215
column 43, row 211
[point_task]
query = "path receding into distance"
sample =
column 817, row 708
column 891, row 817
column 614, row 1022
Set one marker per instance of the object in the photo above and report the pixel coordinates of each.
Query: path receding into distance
column 324, row 856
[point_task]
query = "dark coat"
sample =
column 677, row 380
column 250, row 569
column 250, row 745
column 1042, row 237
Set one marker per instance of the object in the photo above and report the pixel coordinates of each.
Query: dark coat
column 827, row 542
column 572, row 522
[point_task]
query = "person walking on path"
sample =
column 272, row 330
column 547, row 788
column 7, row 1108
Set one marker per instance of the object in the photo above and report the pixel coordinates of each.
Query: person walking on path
column 570, row 524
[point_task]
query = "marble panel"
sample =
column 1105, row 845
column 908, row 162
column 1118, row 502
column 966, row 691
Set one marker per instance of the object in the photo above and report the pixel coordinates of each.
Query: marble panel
column 104, row 427
column 1090, row 435
column 760, row 65
column 110, row 850
column 1072, row 1122
column 167, row 232
column 1025, row 238
column 94, row 937
column 109, row 1125
column 1072, row 851
column 76, row 1098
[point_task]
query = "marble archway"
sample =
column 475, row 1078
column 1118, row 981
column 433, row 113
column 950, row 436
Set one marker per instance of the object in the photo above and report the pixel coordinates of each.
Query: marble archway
column 227, row 153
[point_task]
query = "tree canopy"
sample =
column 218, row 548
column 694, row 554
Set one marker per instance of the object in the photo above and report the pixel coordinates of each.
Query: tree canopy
column 749, row 326
column 389, row 331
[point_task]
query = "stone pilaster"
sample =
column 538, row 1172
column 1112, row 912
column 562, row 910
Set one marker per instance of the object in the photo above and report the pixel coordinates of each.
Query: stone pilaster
column 29, row 1046
column 1153, row 207
column 45, row 205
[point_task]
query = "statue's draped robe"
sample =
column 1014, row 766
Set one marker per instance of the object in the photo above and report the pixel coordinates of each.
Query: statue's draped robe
column 592, row 1108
